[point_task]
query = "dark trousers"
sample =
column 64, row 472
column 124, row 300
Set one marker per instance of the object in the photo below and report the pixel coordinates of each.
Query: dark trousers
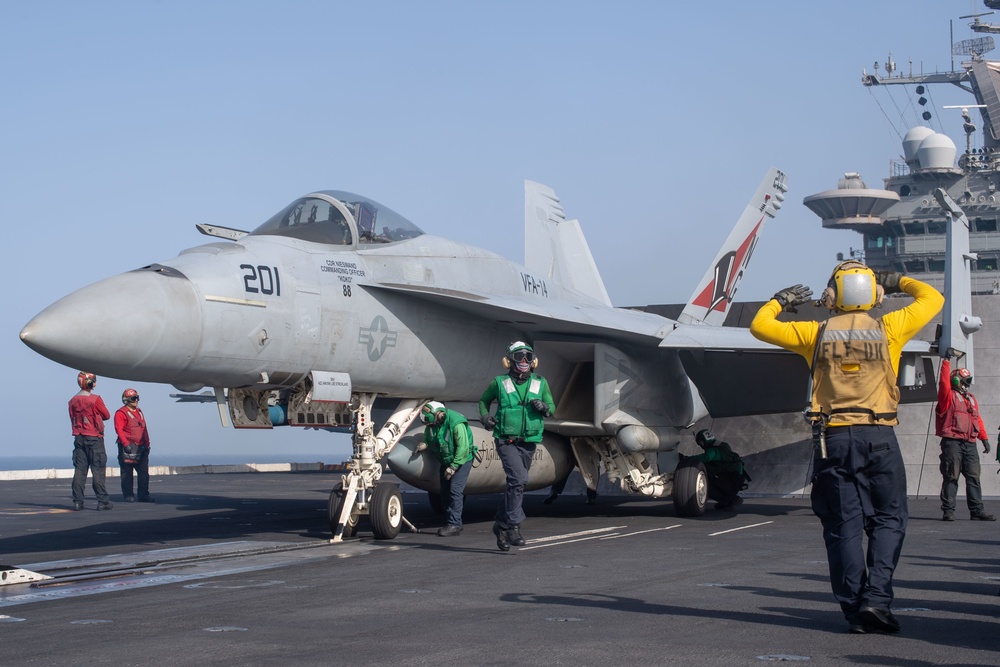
column 958, row 457
column 453, row 491
column 516, row 460
column 723, row 486
column 858, row 490
column 141, row 469
column 89, row 454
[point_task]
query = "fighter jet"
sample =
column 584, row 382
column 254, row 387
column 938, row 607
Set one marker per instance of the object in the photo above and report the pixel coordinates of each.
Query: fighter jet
column 338, row 313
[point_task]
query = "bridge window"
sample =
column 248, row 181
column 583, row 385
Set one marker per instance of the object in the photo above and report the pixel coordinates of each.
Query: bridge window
column 986, row 225
column 985, row 264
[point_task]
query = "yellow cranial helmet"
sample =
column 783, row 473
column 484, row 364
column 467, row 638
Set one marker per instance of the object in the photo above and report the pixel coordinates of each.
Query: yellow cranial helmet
column 852, row 286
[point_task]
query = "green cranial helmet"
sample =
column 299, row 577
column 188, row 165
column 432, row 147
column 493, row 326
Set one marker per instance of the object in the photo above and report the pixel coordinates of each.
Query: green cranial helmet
column 431, row 412
column 704, row 438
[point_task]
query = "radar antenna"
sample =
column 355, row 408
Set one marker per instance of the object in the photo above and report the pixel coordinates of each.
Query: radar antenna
column 975, row 47
column 979, row 26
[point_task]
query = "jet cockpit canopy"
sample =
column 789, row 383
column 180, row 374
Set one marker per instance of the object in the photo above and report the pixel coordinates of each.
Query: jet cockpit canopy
column 339, row 218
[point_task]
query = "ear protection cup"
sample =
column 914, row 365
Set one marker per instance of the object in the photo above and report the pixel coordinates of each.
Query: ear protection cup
column 828, row 298
column 86, row 380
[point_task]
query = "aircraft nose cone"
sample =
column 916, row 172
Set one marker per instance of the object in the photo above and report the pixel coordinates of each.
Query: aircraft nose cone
column 142, row 326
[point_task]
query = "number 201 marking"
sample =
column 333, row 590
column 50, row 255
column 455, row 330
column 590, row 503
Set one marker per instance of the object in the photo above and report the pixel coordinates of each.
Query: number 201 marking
column 261, row 279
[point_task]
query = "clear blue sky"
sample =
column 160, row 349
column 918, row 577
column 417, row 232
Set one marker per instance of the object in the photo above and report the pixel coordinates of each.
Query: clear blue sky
column 125, row 123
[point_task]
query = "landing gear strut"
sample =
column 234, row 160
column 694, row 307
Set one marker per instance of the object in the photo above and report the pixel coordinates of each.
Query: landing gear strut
column 360, row 491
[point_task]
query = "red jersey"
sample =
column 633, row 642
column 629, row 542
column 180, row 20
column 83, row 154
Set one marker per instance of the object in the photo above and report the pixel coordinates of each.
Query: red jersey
column 87, row 413
column 957, row 414
column 130, row 425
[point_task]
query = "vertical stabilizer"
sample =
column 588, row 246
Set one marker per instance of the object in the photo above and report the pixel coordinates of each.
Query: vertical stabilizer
column 957, row 321
column 555, row 247
column 717, row 289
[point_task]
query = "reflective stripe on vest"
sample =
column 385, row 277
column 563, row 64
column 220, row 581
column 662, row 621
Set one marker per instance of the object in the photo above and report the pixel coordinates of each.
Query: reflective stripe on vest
column 853, row 380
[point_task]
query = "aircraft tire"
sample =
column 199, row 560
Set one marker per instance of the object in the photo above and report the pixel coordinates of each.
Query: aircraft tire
column 690, row 489
column 386, row 511
column 437, row 502
column 333, row 513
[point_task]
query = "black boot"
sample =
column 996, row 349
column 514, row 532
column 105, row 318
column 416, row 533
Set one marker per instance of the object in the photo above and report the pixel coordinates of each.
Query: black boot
column 514, row 536
column 503, row 542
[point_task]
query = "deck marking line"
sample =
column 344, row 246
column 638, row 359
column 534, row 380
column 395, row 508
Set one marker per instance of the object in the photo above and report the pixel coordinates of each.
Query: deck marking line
column 555, row 544
column 640, row 532
column 550, row 538
column 733, row 530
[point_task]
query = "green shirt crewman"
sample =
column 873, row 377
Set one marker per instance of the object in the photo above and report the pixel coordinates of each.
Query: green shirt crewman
column 724, row 468
column 449, row 438
column 523, row 401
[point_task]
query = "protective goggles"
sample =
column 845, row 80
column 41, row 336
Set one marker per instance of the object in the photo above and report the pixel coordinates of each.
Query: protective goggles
column 522, row 355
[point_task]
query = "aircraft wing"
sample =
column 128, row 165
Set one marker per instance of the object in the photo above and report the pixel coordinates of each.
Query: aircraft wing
column 737, row 378
column 550, row 316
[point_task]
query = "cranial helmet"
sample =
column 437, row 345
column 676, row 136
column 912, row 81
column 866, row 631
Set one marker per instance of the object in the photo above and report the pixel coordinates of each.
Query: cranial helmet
column 130, row 395
column 961, row 378
column 519, row 352
column 432, row 412
column 704, row 438
column 852, row 286
column 86, row 380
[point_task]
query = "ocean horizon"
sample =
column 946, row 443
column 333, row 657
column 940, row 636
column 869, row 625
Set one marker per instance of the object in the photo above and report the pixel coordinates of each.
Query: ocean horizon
column 60, row 462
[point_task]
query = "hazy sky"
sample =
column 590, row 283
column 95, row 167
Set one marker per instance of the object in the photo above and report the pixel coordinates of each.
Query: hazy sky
column 125, row 123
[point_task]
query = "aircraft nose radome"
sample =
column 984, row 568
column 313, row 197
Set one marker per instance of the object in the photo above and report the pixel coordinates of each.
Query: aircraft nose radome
column 138, row 326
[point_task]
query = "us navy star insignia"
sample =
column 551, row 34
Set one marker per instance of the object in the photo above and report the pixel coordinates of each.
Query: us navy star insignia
column 377, row 337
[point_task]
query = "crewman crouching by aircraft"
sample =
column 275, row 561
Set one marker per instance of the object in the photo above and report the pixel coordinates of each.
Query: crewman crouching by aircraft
column 859, row 482
column 959, row 424
column 449, row 438
column 133, row 447
column 726, row 474
column 523, row 401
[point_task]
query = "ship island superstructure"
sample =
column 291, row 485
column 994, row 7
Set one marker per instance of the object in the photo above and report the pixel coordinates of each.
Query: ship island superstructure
column 902, row 225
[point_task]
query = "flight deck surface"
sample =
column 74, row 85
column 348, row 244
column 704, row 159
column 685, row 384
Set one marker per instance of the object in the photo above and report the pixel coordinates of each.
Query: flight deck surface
column 238, row 569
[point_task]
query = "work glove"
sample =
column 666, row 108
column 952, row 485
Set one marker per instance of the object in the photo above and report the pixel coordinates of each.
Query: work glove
column 986, row 445
column 449, row 472
column 421, row 446
column 540, row 405
column 488, row 422
column 889, row 280
column 796, row 295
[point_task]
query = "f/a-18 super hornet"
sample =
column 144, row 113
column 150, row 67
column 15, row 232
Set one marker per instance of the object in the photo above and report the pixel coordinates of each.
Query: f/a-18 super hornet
column 339, row 313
